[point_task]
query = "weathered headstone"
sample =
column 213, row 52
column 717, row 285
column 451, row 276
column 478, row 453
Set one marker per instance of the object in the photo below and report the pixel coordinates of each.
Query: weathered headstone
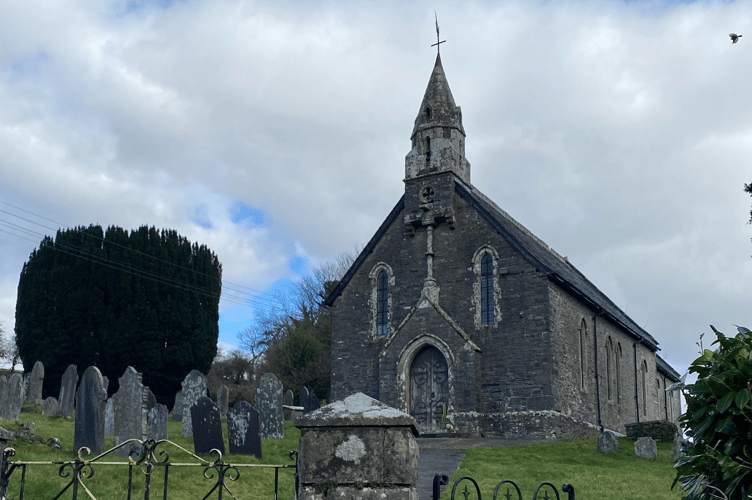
column 12, row 398
column 150, row 400
column 35, row 379
column 206, row 426
column 607, row 442
column 177, row 409
column 243, row 430
column 90, row 402
column 194, row 387
column 3, row 381
column 68, row 391
column 288, row 398
column 645, row 448
column 156, row 419
column 109, row 418
column 50, row 407
column 128, row 404
column 223, row 401
column 305, row 399
column 677, row 451
column 357, row 440
column 269, row 406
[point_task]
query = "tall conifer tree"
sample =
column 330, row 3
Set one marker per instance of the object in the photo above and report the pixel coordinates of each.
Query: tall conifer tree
column 148, row 299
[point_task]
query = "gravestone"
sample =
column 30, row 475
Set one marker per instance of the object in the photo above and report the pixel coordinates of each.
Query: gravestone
column 194, row 387
column 35, row 379
column 354, row 442
column 607, row 442
column 677, row 451
column 177, row 409
column 90, row 401
column 3, row 381
column 128, row 404
column 305, row 399
column 645, row 448
column 156, row 419
column 50, row 407
column 243, row 430
column 150, row 400
column 109, row 418
column 105, row 383
column 223, row 401
column 68, row 391
column 12, row 397
column 269, row 406
column 206, row 426
column 288, row 399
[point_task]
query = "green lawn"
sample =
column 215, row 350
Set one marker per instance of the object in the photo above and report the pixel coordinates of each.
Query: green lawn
column 111, row 481
column 593, row 475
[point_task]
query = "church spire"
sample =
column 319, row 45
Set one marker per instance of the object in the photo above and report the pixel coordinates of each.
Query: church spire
column 438, row 137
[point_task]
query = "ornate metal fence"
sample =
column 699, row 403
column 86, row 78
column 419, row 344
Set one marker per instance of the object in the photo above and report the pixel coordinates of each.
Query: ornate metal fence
column 507, row 488
column 145, row 459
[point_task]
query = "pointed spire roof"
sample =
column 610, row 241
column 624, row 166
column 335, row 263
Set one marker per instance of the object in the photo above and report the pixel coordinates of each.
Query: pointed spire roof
column 438, row 108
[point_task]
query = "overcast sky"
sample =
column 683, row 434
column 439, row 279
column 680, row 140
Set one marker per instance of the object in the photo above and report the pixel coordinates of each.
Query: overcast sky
column 274, row 132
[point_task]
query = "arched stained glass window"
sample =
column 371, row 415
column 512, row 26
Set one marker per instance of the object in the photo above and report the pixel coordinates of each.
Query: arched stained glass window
column 487, row 290
column 382, row 299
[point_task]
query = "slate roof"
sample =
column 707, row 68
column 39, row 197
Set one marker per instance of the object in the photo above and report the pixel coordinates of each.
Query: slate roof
column 666, row 369
column 557, row 268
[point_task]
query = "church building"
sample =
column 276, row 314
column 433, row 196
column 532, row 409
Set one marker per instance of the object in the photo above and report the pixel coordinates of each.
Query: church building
column 458, row 315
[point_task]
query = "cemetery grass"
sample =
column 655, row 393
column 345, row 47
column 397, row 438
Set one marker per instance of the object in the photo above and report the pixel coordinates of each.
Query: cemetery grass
column 593, row 475
column 110, row 482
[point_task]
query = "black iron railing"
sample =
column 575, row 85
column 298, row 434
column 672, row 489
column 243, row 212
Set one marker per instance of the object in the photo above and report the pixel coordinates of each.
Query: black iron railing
column 506, row 488
column 144, row 458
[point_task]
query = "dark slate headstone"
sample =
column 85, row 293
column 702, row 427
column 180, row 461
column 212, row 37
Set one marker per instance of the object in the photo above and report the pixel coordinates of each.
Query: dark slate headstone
column 177, row 409
column 128, row 403
column 223, row 401
column 269, row 406
column 305, row 399
column 12, row 397
column 109, row 418
column 156, row 419
column 90, row 401
column 68, row 391
column 206, row 426
column 243, row 430
column 288, row 398
column 194, row 387
column 50, row 407
column 35, row 379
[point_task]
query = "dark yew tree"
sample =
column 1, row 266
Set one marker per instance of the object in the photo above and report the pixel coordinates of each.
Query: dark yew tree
column 148, row 299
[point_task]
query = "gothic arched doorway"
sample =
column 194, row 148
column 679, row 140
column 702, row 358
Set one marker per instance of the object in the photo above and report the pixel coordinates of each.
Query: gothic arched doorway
column 429, row 390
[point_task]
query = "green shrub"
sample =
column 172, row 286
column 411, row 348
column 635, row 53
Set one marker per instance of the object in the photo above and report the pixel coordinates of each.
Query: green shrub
column 718, row 421
column 660, row 430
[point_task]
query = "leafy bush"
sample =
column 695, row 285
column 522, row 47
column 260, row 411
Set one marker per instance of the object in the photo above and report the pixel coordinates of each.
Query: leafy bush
column 660, row 430
column 718, row 461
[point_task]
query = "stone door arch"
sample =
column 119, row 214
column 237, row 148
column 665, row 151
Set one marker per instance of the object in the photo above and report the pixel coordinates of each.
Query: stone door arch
column 429, row 390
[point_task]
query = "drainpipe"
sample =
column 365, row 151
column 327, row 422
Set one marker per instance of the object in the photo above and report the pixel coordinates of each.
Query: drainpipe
column 665, row 397
column 597, row 378
column 636, row 391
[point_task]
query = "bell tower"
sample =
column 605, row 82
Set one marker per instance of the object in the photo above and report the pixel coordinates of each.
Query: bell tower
column 438, row 138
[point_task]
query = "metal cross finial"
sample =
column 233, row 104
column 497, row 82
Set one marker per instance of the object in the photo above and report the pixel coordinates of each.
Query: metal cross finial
column 438, row 43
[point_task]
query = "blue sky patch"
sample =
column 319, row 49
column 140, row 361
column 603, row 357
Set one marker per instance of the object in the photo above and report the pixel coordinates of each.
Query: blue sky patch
column 201, row 217
column 240, row 213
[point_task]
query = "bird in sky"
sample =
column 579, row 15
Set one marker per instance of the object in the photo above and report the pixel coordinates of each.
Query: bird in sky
column 734, row 37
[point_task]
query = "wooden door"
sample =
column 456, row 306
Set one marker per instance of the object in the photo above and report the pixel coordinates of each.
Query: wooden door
column 429, row 390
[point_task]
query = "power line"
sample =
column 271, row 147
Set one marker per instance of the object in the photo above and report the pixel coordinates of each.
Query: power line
column 229, row 293
column 116, row 244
